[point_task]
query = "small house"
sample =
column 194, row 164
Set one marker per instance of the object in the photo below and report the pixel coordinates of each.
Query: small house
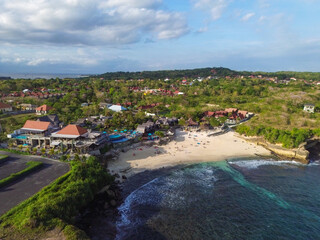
column 309, row 108
column 5, row 107
column 43, row 110
column 117, row 108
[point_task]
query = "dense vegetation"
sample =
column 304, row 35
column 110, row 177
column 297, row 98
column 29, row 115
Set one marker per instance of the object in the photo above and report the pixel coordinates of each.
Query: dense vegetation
column 204, row 72
column 11, row 123
column 56, row 205
column 288, row 139
column 276, row 105
column 31, row 166
column 171, row 74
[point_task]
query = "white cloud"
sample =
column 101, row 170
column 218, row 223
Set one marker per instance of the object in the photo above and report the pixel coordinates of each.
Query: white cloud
column 214, row 7
column 87, row 22
column 247, row 16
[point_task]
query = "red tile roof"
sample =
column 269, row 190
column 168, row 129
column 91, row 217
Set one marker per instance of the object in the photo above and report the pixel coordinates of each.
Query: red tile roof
column 231, row 110
column 43, row 108
column 209, row 114
column 36, row 125
column 4, row 105
column 72, row 129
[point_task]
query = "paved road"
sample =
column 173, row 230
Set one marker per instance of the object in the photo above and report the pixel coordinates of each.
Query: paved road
column 11, row 166
column 27, row 186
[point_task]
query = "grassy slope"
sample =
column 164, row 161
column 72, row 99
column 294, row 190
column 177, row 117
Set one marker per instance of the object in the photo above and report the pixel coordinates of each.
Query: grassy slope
column 14, row 122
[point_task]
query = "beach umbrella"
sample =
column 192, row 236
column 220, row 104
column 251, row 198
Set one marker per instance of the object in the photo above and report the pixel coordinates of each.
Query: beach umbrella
column 116, row 130
column 149, row 134
column 121, row 131
column 125, row 130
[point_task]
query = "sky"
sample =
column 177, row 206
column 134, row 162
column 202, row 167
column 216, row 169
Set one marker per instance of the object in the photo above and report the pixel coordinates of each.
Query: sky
column 97, row 36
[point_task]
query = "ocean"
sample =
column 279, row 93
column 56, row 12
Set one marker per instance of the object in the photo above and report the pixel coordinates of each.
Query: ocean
column 235, row 199
column 41, row 75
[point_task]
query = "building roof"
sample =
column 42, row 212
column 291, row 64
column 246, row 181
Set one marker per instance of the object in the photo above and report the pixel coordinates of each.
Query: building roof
column 117, row 108
column 73, row 130
column 53, row 118
column 4, row 105
column 230, row 110
column 192, row 123
column 36, row 125
column 209, row 114
column 43, row 108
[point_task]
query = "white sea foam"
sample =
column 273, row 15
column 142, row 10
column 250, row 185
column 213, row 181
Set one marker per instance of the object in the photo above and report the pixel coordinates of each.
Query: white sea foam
column 254, row 164
column 168, row 192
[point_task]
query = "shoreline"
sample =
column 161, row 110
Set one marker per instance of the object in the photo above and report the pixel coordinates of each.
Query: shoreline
column 186, row 148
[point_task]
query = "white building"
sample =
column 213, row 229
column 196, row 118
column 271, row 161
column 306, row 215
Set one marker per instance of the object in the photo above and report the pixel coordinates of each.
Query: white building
column 117, row 108
column 5, row 107
column 309, row 108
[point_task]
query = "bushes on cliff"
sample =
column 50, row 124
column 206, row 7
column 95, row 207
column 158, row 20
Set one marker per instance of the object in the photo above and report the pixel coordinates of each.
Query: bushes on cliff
column 288, row 139
column 57, row 204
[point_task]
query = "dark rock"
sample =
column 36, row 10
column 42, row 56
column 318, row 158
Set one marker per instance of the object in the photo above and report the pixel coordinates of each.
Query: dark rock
column 113, row 203
column 111, row 194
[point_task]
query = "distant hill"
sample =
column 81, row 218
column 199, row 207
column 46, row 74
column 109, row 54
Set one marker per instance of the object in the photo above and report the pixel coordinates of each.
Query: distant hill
column 205, row 72
column 162, row 74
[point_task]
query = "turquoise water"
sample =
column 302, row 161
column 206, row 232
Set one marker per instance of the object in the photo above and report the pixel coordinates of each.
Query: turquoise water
column 20, row 137
column 120, row 140
column 115, row 136
column 238, row 199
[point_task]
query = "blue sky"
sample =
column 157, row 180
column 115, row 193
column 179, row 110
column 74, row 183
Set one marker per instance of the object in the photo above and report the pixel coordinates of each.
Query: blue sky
column 96, row 36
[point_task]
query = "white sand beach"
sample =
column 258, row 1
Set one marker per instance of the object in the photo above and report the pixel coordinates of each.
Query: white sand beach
column 186, row 148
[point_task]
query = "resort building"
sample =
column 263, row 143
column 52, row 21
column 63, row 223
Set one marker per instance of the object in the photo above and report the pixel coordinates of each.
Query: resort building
column 243, row 114
column 48, row 134
column 43, row 110
column 167, row 121
column 5, row 107
column 78, row 139
column 192, row 124
column 53, row 119
column 146, row 127
column 33, row 133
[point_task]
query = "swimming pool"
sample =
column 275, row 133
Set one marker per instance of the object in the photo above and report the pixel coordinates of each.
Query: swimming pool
column 115, row 136
column 20, row 137
column 120, row 140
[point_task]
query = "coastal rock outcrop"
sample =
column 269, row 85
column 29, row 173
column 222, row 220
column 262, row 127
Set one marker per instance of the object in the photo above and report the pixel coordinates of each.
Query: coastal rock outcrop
column 299, row 154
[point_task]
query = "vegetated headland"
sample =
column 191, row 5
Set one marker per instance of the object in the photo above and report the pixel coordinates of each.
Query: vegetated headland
column 147, row 120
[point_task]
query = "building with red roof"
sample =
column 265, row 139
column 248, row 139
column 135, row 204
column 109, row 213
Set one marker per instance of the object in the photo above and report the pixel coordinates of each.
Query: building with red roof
column 36, row 126
column 5, row 107
column 42, row 110
column 71, row 131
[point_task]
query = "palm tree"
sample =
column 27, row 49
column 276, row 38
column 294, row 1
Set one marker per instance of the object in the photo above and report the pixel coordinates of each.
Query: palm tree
column 43, row 151
column 51, row 151
column 34, row 150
